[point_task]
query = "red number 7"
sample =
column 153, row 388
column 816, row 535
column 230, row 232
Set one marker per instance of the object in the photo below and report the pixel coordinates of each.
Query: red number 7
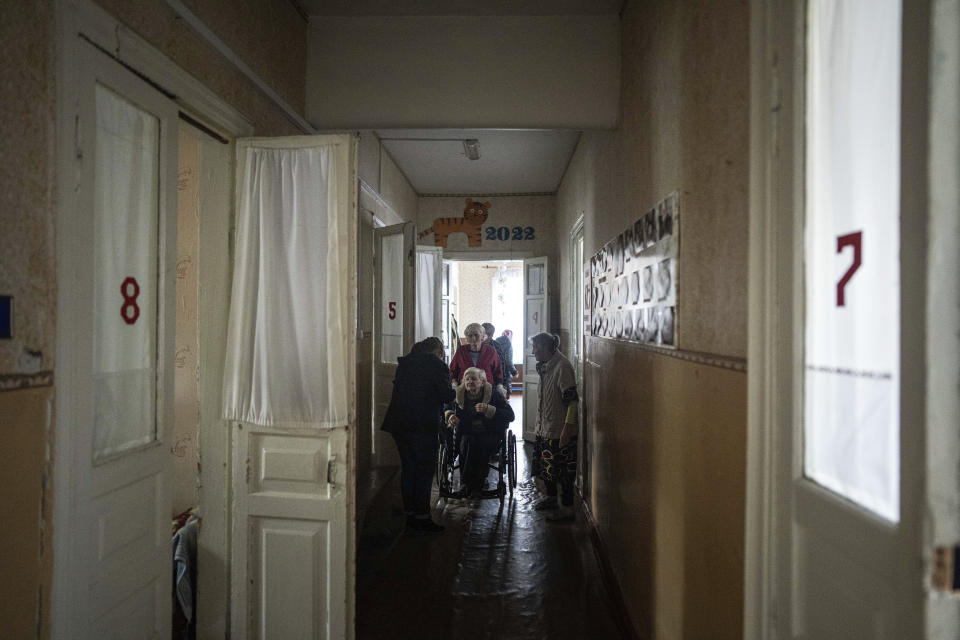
column 850, row 240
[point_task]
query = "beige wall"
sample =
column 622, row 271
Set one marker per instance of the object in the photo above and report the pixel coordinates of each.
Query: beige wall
column 270, row 38
column 186, row 410
column 464, row 71
column 26, row 422
column 685, row 128
column 666, row 433
column 475, row 293
column 27, row 264
column 538, row 212
column 156, row 22
column 269, row 35
column 27, row 268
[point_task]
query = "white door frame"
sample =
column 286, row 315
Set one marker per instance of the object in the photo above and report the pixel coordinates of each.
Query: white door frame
column 531, row 379
column 943, row 303
column 384, row 372
column 75, row 17
column 776, row 305
column 578, row 352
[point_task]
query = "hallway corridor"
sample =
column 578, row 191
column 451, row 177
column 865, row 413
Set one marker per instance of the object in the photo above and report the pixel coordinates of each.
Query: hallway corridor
column 503, row 573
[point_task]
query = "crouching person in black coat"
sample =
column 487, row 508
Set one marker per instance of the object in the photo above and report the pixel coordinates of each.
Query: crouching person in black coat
column 421, row 388
column 481, row 415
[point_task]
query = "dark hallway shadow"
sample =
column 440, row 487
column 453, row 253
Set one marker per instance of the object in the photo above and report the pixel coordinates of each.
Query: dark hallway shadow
column 499, row 571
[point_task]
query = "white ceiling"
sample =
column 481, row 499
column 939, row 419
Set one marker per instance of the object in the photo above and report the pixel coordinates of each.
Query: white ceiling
column 459, row 7
column 511, row 161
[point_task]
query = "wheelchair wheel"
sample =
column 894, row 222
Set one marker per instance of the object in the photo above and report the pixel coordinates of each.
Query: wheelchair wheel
column 512, row 461
column 503, row 470
column 445, row 470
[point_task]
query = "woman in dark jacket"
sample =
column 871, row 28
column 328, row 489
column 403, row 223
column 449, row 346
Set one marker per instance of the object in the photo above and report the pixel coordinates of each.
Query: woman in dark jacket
column 481, row 415
column 420, row 390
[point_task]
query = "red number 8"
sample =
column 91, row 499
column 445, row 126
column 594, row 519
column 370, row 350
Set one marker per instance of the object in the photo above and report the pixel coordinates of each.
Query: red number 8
column 130, row 311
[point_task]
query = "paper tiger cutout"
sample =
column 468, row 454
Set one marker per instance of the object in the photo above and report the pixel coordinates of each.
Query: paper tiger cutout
column 474, row 215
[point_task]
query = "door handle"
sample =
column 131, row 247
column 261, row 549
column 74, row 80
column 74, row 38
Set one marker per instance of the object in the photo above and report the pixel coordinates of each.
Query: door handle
column 331, row 472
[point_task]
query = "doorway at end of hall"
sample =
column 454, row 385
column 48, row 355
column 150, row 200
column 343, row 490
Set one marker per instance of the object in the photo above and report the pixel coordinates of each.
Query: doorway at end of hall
column 487, row 291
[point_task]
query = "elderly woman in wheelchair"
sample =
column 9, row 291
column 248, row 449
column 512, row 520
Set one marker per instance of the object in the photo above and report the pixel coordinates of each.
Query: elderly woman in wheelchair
column 480, row 415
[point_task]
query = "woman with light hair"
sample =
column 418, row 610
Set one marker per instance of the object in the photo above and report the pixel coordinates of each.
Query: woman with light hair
column 481, row 414
column 477, row 354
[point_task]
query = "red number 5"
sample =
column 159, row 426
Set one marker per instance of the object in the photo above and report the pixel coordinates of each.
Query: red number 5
column 854, row 240
column 393, row 310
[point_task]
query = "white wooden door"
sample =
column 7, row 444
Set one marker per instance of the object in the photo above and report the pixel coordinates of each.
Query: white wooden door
column 291, row 526
column 293, row 508
column 393, row 330
column 535, row 320
column 428, row 292
column 836, row 513
column 116, row 274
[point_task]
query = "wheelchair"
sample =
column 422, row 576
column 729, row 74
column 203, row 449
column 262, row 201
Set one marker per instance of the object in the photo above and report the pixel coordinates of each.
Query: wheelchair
column 503, row 461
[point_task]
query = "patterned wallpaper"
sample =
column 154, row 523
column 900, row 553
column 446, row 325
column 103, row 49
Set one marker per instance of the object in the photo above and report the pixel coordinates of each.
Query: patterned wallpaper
column 186, row 415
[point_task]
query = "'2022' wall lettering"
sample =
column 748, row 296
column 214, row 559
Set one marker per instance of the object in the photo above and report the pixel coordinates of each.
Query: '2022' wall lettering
column 506, row 233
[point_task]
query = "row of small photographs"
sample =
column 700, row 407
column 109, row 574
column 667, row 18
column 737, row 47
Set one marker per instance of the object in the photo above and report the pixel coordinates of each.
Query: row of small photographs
column 653, row 227
column 653, row 325
column 636, row 287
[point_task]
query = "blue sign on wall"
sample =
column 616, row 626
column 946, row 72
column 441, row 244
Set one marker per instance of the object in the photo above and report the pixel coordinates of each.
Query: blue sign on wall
column 6, row 317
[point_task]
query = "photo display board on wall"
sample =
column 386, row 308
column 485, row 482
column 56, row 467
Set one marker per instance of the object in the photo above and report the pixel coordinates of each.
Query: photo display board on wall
column 632, row 289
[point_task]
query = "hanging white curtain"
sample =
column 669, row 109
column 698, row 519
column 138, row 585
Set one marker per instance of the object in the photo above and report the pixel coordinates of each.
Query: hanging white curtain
column 126, row 237
column 287, row 362
column 852, row 247
column 427, row 265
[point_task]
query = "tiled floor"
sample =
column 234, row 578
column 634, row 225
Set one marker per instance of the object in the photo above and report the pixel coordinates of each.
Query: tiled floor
column 498, row 571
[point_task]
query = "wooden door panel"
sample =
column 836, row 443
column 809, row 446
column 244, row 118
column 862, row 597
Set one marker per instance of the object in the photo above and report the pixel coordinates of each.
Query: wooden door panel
column 286, row 559
column 289, row 464
column 141, row 615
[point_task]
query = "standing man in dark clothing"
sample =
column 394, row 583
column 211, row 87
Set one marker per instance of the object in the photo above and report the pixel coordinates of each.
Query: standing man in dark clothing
column 506, row 365
column 420, row 390
column 506, row 349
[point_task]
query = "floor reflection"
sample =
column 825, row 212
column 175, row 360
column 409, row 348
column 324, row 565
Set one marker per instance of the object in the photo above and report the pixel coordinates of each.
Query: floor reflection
column 499, row 571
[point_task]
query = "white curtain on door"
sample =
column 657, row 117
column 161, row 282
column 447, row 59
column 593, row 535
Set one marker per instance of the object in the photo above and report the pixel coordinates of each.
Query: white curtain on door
column 427, row 265
column 287, row 360
column 126, row 200
column 852, row 346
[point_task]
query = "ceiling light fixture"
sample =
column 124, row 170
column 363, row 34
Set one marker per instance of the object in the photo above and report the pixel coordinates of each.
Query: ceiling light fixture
column 471, row 147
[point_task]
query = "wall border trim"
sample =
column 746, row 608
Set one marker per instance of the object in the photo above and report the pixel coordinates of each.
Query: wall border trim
column 697, row 357
column 18, row 381
column 486, row 195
